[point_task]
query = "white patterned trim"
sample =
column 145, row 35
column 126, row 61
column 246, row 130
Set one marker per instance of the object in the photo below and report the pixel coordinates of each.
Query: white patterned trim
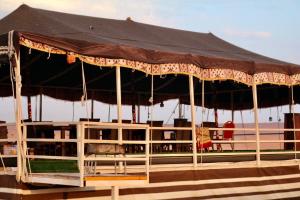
column 176, row 68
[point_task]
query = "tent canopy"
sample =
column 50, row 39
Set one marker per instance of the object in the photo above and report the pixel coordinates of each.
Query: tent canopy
column 146, row 49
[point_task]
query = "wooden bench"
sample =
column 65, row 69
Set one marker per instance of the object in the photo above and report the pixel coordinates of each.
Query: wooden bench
column 104, row 149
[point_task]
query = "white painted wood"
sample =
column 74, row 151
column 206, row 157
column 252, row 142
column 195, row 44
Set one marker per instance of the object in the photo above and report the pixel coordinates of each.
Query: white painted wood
column 54, row 180
column 147, row 153
column 53, row 157
column 113, row 141
column 106, row 158
column 121, row 183
column 119, row 102
column 115, row 192
column 171, row 128
column 193, row 118
column 80, row 153
column 18, row 115
column 25, row 170
column 51, row 140
column 172, row 142
column 255, row 109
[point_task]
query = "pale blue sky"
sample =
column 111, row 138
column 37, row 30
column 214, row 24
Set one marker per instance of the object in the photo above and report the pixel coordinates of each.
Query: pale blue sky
column 268, row 27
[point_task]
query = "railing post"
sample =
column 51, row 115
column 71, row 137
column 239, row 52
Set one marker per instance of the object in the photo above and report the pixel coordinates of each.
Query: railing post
column 254, row 92
column 18, row 85
column 119, row 102
column 115, row 192
column 147, row 151
column 80, row 151
column 191, row 88
column 25, row 170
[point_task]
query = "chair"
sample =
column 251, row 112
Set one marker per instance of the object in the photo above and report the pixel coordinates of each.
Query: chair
column 212, row 133
column 228, row 134
column 203, row 138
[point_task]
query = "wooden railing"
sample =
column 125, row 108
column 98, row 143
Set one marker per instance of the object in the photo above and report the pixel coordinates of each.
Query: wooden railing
column 146, row 155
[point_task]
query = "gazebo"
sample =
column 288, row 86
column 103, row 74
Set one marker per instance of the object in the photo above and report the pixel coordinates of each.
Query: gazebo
column 123, row 62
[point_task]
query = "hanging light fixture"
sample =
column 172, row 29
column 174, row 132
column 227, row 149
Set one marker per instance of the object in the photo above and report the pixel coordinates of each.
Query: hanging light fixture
column 71, row 58
column 270, row 118
column 162, row 104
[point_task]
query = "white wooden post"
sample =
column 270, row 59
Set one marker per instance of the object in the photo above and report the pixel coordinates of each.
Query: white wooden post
column 115, row 192
column 119, row 101
column 254, row 92
column 18, row 117
column 147, row 152
column 80, row 152
column 25, row 170
column 192, row 103
column 294, row 124
column 119, row 104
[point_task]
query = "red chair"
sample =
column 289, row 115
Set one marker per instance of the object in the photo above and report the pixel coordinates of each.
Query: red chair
column 228, row 134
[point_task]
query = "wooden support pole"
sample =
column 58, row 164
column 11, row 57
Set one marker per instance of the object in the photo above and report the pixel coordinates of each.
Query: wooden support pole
column 25, row 170
column 255, row 109
column 119, row 101
column 41, row 106
column 120, row 136
column 18, row 113
column 80, row 152
column 147, row 152
column 294, row 122
column 115, row 192
column 193, row 111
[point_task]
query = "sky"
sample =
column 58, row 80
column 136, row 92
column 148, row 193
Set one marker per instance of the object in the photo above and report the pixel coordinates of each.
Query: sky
column 268, row 27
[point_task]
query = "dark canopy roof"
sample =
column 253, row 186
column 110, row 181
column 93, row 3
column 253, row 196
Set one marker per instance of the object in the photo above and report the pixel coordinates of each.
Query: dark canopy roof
column 133, row 41
column 136, row 41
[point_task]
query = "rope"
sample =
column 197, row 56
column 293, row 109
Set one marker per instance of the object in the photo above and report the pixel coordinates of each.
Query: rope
column 16, row 57
column 4, row 168
column 84, row 96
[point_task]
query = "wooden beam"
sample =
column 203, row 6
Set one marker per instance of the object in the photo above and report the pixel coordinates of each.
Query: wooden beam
column 119, row 101
column 193, row 118
column 255, row 109
column 18, row 115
